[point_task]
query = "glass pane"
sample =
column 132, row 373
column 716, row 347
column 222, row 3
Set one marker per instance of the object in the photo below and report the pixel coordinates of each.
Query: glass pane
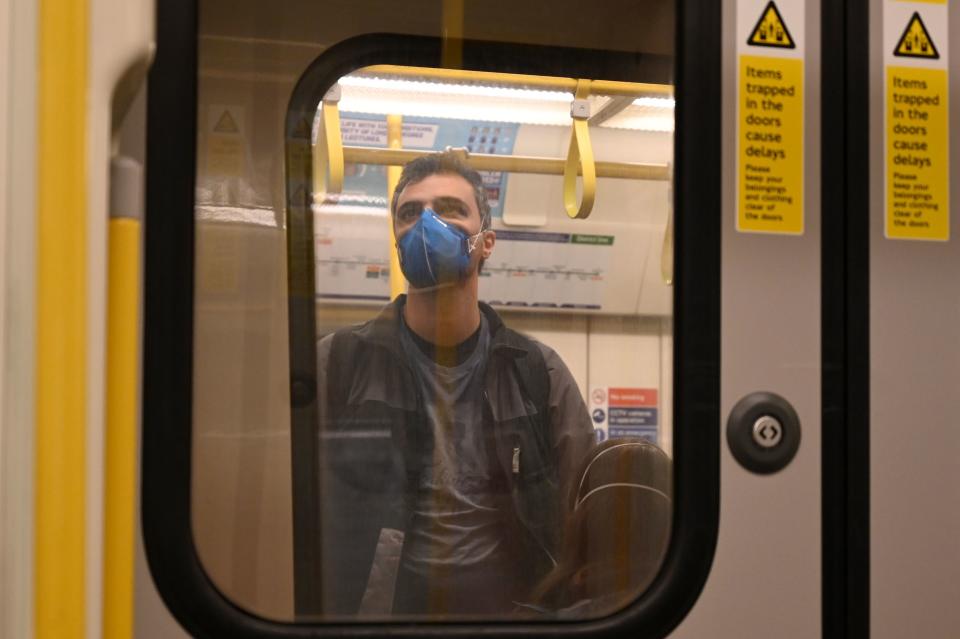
column 484, row 427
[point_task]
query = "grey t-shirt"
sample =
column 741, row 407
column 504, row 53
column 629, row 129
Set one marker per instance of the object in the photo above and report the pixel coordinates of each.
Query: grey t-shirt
column 455, row 543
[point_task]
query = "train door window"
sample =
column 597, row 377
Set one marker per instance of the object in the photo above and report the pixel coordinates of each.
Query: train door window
column 497, row 488
column 433, row 371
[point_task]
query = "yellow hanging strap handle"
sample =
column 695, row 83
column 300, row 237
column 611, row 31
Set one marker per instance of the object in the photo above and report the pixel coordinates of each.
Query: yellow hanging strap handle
column 580, row 157
column 666, row 254
column 330, row 171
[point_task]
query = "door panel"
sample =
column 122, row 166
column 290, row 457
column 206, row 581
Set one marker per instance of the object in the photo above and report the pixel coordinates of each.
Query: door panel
column 914, row 364
column 765, row 579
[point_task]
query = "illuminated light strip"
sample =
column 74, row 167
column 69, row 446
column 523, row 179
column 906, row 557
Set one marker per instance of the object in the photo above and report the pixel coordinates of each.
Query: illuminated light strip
column 640, row 123
column 60, row 498
column 457, row 109
column 379, row 96
column 461, row 110
column 471, row 90
column 655, row 103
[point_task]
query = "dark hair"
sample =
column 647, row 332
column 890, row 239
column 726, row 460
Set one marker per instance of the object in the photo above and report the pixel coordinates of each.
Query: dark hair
column 444, row 162
column 617, row 533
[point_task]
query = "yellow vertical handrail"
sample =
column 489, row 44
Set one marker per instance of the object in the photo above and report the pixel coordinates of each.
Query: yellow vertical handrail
column 328, row 172
column 61, row 312
column 451, row 56
column 394, row 141
column 123, row 299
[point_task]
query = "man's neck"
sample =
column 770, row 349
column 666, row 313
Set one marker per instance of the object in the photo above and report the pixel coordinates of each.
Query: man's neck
column 445, row 316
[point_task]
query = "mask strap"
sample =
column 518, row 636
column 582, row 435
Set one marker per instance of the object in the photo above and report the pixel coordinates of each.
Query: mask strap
column 473, row 240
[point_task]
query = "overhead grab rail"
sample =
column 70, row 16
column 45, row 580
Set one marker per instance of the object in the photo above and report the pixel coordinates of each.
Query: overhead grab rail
column 509, row 163
column 611, row 88
column 580, row 161
column 580, row 157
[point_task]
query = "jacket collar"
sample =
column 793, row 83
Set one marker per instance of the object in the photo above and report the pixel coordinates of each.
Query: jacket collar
column 384, row 329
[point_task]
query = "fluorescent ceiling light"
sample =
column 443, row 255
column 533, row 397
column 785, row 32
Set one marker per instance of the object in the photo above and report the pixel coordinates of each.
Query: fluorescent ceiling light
column 655, row 103
column 437, row 88
column 457, row 108
column 384, row 96
column 640, row 122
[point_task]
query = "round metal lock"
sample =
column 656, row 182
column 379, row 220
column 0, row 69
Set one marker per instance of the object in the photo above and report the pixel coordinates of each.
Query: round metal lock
column 767, row 431
column 763, row 432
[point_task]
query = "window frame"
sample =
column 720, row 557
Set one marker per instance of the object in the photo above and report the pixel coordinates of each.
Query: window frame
column 168, row 329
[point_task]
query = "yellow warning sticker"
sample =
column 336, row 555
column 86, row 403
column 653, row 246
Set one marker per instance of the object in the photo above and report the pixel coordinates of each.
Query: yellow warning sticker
column 917, row 140
column 770, row 130
column 225, row 143
column 771, row 30
column 916, row 41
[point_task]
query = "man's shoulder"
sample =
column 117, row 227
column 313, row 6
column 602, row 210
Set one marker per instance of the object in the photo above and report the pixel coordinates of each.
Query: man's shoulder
column 550, row 356
column 344, row 336
column 383, row 328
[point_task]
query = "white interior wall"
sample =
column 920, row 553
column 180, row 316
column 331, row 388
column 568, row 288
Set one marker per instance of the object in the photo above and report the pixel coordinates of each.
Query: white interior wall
column 241, row 495
column 633, row 211
column 242, row 510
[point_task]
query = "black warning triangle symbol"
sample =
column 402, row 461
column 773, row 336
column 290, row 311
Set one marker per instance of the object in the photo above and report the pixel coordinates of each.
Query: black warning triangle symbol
column 771, row 30
column 916, row 41
column 226, row 124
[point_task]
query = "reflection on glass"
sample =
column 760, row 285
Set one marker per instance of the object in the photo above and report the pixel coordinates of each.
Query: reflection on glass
column 489, row 440
column 448, row 438
column 489, row 435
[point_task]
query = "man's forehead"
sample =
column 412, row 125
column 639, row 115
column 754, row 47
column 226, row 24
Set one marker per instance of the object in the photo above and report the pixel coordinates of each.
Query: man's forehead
column 440, row 185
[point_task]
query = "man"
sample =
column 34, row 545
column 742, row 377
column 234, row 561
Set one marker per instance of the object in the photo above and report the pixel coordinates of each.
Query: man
column 447, row 440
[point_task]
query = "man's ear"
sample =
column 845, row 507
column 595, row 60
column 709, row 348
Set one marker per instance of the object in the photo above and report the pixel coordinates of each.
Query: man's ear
column 489, row 239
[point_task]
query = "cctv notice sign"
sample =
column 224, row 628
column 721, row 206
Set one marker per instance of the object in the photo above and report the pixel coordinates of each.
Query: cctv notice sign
column 770, row 37
column 916, row 120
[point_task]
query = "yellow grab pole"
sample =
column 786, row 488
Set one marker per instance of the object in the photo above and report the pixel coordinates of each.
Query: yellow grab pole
column 61, row 356
column 452, row 53
column 121, row 433
column 394, row 141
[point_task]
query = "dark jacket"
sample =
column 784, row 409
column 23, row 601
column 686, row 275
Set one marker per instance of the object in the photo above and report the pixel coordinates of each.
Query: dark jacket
column 372, row 429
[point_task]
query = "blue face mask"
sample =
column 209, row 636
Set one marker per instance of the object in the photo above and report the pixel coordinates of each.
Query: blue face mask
column 433, row 252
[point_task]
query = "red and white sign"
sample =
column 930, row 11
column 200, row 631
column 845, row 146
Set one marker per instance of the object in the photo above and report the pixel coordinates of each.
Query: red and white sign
column 633, row 397
column 599, row 395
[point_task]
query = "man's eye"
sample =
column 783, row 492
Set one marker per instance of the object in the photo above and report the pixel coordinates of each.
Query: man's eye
column 409, row 211
column 451, row 209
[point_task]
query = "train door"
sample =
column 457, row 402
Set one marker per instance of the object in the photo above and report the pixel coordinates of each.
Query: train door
column 913, row 355
column 769, row 546
column 685, row 304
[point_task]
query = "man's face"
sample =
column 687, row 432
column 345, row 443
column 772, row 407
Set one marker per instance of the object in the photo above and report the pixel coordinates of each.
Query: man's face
column 451, row 197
